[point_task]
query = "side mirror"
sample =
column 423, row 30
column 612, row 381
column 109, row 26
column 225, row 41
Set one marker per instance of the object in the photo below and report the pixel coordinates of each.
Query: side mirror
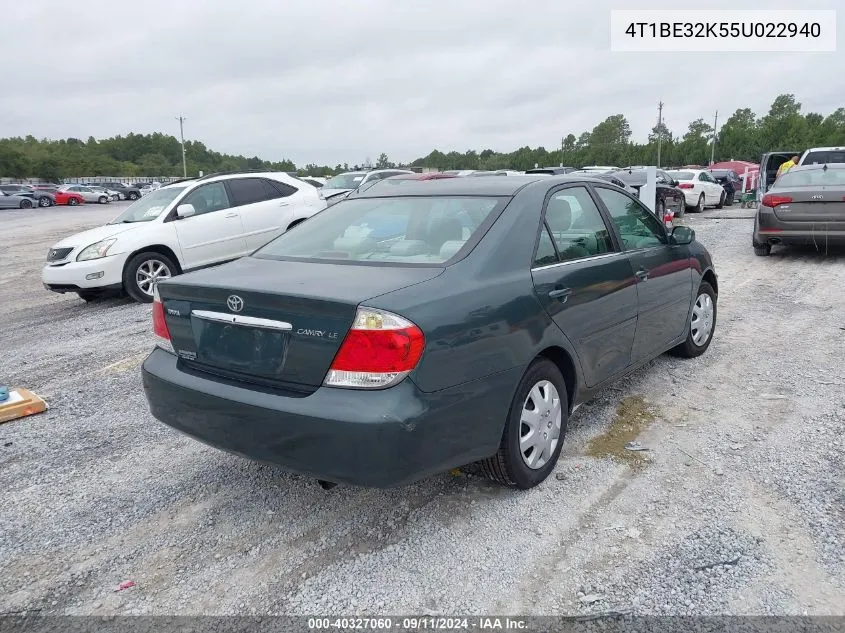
column 682, row 235
column 185, row 211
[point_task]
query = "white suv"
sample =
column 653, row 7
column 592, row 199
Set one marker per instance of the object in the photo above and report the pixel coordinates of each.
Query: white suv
column 183, row 226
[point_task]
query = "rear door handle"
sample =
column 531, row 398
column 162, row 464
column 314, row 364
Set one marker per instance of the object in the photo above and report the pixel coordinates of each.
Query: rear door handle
column 561, row 294
column 231, row 215
column 284, row 204
column 642, row 274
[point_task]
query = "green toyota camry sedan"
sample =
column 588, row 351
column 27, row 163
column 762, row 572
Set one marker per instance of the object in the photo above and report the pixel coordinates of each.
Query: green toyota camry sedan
column 422, row 325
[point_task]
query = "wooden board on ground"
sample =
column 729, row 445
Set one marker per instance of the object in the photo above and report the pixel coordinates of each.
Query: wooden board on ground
column 21, row 403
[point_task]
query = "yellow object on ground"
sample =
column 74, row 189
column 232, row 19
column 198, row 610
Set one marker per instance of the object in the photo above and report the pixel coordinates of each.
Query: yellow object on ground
column 21, row 403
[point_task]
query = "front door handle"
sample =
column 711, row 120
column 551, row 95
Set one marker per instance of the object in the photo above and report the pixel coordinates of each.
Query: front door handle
column 231, row 215
column 284, row 204
column 561, row 294
column 642, row 274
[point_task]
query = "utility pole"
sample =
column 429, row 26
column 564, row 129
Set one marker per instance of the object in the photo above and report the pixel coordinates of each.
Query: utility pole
column 659, row 130
column 713, row 147
column 562, row 143
column 181, row 120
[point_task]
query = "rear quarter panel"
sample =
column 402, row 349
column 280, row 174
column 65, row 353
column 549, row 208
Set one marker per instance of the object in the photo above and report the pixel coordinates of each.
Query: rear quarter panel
column 481, row 316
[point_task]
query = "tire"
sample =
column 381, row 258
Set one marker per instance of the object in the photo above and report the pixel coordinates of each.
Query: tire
column 26, row 203
column 89, row 295
column 660, row 209
column 133, row 196
column 721, row 201
column 729, row 202
column 509, row 465
column 72, row 202
column 762, row 250
column 142, row 266
column 700, row 206
column 44, row 201
column 702, row 323
column 103, row 199
column 682, row 209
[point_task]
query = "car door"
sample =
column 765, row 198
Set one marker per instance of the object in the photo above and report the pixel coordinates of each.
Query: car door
column 715, row 187
column 8, row 201
column 264, row 207
column 585, row 283
column 214, row 233
column 663, row 272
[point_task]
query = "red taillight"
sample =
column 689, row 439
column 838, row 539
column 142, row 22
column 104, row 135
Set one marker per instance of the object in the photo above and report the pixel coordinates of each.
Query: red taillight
column 773, row 201
column 378, row 351
column 159, row 322
column 685, row 185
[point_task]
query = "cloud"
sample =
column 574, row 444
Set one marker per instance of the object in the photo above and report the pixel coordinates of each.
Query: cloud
column 336, row 81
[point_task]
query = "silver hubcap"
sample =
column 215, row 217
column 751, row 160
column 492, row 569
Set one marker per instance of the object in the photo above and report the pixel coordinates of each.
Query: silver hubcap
column 44, row 202
column 539, row 428
column 702, row 319
column 149, row 273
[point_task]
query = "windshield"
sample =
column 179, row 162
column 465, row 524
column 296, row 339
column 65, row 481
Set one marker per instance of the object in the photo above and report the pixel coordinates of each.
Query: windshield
column 414, row 230
column 149, row 207
column 344, row 181
column 812, row 177
column 682, row 175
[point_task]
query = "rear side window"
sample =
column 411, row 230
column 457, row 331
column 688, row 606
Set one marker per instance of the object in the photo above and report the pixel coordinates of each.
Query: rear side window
column 576, row 225
column 413, row 231
column 280, row 189
column 826, row 156
column 250, row 190
column 682, row 175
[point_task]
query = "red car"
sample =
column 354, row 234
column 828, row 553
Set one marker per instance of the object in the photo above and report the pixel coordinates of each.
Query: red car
column 69, row 198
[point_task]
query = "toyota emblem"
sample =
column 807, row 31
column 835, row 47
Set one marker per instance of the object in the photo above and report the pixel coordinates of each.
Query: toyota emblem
column 235, row 303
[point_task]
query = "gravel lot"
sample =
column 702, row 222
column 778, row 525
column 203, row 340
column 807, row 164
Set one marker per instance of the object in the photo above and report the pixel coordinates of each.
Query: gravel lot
column 738, row 507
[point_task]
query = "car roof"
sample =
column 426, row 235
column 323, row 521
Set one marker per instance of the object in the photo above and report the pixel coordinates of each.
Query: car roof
column 490, row 186
column 817, row 166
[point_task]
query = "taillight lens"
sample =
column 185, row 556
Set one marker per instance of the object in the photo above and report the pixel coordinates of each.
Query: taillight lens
column 379, row 350
column 772, row 201
column 685, row 185
column 159, row 322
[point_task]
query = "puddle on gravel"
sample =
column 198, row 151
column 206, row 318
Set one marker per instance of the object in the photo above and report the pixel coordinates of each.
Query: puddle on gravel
column 633, row 416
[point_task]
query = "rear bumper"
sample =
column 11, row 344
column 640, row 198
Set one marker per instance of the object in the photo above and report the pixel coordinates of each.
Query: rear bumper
column 379, row 438
column 770, row 229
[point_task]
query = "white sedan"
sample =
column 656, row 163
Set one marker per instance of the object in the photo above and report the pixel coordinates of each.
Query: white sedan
column 700, row 188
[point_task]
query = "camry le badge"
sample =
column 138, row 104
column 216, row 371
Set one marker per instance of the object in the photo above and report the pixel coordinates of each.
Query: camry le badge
column 235, row 303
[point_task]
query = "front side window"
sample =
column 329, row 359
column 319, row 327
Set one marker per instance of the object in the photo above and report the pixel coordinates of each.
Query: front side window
column 576, row 225
column 430, row 230
column 208, row 198
column 638, row 227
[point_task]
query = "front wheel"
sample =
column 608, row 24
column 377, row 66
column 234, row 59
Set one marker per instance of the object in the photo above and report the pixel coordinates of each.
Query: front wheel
column 26, row 203
column 44, row 201
column 701, row 326
column 73, row 202
column 535, row 428
column 133, row 196
column 721, row 200
column 682, row 208
column 103, row 199
column 700, row 206
column 144, row 271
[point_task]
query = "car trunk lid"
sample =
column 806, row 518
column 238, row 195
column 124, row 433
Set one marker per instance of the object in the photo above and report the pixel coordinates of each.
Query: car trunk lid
column 273, row 323
column 810, row 204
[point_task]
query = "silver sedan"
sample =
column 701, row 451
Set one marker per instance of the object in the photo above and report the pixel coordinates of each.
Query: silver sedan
column 88, row 193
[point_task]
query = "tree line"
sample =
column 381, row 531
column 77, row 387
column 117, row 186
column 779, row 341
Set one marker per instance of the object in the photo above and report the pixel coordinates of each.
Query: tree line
column 743, row 136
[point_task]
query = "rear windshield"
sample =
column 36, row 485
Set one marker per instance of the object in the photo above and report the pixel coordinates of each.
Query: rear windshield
column 344, row 181
column 810, row 177
column 682, row 175
column 149, row 207
column 826, row 156
column 429, row 230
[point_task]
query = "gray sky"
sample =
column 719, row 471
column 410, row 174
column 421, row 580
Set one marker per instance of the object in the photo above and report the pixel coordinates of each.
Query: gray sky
column 330, row 81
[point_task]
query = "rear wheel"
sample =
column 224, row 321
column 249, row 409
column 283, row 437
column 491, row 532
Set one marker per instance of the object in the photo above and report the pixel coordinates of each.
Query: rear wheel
column 702, row 324
column 144, row 271
column 73, row 201
column 103, row 199
column 762, row 250
column 534, row 431
column 133, row 196
column 682, row 208
column 26, row 203
column 729, row 201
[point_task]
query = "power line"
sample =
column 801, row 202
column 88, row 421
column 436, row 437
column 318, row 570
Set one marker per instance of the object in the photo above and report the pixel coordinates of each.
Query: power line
column 181, row 120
